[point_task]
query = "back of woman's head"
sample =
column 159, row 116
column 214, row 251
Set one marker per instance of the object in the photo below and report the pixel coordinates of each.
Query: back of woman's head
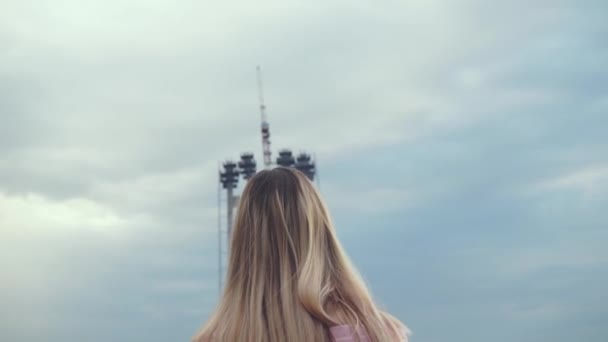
column 288, row 278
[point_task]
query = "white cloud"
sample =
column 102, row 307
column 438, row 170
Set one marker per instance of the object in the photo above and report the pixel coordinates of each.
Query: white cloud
column 524, row 262
column 591, row 182
column 542, row 311
column 57, row 255
column 157, row 191
column 32, row 213
column 370, row 201
column 43, row 255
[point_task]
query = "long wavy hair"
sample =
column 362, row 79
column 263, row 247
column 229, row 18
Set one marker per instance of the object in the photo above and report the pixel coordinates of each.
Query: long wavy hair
column 288, row 277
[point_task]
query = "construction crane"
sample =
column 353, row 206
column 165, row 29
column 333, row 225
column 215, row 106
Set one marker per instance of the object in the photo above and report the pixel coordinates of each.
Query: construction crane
column 265, row 126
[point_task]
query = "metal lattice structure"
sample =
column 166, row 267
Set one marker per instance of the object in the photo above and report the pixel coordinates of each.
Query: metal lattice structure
column 265, row 126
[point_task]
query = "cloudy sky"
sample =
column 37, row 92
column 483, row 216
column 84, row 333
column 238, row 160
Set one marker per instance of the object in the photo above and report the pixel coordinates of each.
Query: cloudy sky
column 462, row 147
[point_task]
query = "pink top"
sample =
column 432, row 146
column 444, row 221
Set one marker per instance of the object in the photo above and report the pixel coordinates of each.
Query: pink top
column 345, row 333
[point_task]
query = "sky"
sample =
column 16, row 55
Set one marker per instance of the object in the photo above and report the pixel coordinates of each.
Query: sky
column 462, row 148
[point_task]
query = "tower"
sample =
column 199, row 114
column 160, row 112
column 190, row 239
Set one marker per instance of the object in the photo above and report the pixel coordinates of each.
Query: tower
column 229, row 173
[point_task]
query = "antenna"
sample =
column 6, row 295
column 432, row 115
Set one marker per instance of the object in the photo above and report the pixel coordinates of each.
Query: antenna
column 265, row 126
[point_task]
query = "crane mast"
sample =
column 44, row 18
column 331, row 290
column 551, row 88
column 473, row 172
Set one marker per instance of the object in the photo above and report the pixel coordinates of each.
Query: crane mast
column 265, row 127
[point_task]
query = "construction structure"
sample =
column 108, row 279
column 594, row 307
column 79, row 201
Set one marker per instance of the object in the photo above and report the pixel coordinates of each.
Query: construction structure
column 230, row 172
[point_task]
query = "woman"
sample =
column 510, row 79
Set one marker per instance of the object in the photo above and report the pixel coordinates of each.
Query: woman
column 288, row 277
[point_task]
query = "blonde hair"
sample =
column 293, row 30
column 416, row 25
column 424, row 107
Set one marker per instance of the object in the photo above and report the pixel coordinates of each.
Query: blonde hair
column 288, row 277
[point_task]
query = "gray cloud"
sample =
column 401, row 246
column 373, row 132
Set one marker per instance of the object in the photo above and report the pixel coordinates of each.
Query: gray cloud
column 461, row 147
